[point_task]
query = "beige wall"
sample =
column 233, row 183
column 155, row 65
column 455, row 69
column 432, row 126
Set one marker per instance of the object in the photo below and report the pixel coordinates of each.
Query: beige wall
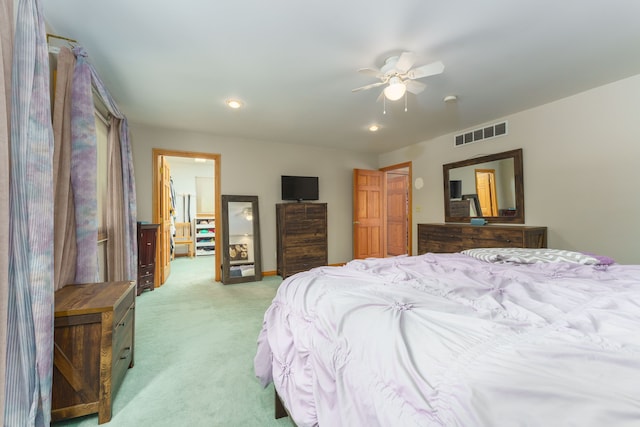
column 581, row 166
column 254, row 168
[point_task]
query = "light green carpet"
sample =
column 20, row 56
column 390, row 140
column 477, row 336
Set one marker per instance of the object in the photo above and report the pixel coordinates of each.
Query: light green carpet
column 195, row 340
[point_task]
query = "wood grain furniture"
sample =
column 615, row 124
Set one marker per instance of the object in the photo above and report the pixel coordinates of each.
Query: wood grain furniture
column 184, row 237
column 460, row 207
column 147, row 236
column 301, row 237
column 457, row 237
column 93, row 347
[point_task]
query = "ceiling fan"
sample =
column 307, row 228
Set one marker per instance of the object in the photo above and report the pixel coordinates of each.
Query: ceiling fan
column 399, row 77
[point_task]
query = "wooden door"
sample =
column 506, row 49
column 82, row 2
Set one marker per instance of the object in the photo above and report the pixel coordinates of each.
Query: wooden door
column 397, row 219
column 486, row 189
column 369, row 213
column 165, row 220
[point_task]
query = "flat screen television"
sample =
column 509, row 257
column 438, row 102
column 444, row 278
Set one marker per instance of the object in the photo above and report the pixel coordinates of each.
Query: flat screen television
column 299, row 188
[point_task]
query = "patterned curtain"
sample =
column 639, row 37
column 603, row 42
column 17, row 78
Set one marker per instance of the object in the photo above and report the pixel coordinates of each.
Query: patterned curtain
column 84, row 158
column 123, row 248
column 6, row 57
column 64, row 244
column 30, row 293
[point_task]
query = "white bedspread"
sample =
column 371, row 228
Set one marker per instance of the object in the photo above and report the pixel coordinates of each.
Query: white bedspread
column 448, row 340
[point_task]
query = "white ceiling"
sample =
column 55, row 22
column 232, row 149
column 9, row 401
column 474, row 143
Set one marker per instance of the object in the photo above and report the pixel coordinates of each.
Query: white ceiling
column 294, row 62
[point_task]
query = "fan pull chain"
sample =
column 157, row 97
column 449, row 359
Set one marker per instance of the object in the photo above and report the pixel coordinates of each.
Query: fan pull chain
column 384, row 105
column 405, row 102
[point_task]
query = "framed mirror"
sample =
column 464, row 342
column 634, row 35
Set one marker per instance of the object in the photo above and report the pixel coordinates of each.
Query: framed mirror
column 490, row 187
column 241, row 255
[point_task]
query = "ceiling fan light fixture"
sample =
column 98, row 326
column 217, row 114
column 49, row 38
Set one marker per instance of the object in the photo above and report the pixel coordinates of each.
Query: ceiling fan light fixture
column 234, row 103
column 395, row 90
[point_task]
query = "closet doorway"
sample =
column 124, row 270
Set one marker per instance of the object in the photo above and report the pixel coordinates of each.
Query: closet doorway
column 398, row 223
column 161, row 206
column 382, row 208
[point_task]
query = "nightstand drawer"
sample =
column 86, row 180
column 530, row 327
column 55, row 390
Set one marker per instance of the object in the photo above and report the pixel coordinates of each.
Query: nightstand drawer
column 123, row 306
column 122, row 348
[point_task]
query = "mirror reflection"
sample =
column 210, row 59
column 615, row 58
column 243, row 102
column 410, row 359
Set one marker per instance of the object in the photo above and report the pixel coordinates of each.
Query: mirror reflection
column 489, row 187
column 241, row 239
column 492, row 182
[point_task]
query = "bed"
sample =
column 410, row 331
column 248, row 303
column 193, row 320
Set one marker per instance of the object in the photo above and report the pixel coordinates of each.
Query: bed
column 479, row 338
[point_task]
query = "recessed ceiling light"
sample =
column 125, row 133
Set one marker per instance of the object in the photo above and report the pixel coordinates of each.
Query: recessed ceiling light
column 234, row 103
column 374, row 128
column 450, row 98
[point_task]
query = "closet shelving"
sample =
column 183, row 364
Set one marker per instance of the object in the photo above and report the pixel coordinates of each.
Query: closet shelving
column 205, row 235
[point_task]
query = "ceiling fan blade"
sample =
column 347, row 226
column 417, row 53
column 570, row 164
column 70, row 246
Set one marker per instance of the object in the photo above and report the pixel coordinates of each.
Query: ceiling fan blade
column 372, row 85
column 405, row 62
column 380, row 96
column 426, row 70
column 414, row 86
column 372, row 72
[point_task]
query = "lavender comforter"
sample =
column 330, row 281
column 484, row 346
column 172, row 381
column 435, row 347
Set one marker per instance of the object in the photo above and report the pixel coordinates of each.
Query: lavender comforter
column 449, row 340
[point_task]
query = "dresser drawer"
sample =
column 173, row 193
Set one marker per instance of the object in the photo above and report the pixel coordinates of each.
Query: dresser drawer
column 145, row 281
column 457, row 237
column 146, row 278
column 122, row 348
column 123, row 305
column 123, row 328
column 305, row 227
column 295, row 212
column 481, row 237
column 306, row 240
column 304, row 262
column 146, row 271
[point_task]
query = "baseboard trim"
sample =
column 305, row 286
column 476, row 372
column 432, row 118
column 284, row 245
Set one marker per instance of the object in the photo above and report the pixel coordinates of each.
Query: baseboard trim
column 275, row 273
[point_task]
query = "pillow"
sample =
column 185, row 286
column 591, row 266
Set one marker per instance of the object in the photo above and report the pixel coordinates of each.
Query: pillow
column 604, row 260
column 534, row 255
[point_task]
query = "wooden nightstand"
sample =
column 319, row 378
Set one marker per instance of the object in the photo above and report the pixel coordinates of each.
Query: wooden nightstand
column 93, row 347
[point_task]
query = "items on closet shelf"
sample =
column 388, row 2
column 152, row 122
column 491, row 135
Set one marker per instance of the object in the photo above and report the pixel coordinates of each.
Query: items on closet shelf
column 205, row 235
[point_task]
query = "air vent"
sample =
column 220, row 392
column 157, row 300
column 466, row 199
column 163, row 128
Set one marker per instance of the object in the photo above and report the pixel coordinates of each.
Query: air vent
column 487, row 132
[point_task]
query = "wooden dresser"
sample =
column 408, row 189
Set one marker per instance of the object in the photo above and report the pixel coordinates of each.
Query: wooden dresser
column 457, row 237
column 93, row 347
column 301, row 237
column 147, row 235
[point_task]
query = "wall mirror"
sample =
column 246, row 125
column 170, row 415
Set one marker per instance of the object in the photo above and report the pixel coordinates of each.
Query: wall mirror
column 490, row 187
column 241, row 255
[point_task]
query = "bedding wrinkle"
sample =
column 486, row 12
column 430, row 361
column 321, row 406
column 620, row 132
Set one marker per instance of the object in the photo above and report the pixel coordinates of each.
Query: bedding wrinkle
column 450, row 340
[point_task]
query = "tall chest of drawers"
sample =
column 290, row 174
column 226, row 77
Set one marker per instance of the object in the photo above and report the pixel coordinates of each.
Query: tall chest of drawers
column 147, row 235
column 457, row 237
column 301, row 237
column 93, row 347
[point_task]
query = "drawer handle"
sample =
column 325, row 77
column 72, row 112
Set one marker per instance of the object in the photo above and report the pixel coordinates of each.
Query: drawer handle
column 125, row 353
column 148, row 243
